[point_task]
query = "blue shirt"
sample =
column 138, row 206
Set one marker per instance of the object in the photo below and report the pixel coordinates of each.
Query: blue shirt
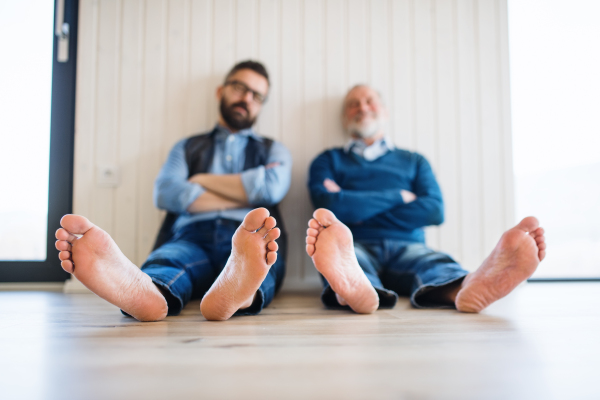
column 372, row 152
column 173, row 192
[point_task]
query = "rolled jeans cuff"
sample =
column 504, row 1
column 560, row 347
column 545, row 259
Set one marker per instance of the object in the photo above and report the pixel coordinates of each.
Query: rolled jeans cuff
column 424, row 288
column 387, row 298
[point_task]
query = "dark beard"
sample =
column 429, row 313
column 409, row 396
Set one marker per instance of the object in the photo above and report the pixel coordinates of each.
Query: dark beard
column 233, row 119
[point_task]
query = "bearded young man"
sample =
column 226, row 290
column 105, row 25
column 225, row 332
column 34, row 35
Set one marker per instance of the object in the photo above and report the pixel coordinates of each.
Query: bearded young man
column 367, row 238
column 212, row 245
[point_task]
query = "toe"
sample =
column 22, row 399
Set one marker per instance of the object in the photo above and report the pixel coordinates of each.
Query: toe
column 63, row 246
column 255, row 219
column 272, row 235
column 528, row 224
column 67, row 266
column 310, row 249
column 62, row 234
column 312, row 232
column 76, row 224
column 542, row 254
column 269, row 224
column 311, row 240
column 325, row 217
column 64, row 255
column 313, row 223
column 271, row 258
column 272, row 246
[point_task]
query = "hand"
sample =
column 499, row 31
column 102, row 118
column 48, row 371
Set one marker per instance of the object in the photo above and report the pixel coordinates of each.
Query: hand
column 407, row 196
column 331, row 186
column 196, row 178
column 272, row 165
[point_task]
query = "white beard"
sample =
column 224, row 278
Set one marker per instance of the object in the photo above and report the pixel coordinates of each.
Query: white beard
column 366, row 131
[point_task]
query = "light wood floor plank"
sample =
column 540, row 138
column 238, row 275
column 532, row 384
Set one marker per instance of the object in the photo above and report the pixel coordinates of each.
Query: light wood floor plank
column 542, row 342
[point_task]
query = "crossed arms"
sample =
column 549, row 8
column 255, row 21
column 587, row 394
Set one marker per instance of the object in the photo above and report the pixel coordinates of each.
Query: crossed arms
column 390, row 206
column 263, row 185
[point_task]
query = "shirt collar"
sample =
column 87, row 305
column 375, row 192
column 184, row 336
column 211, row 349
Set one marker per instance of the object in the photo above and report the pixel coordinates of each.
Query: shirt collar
column 223, row 132
column 372, row 152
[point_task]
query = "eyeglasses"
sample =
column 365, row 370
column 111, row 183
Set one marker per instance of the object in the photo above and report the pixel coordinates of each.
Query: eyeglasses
column 242, row 89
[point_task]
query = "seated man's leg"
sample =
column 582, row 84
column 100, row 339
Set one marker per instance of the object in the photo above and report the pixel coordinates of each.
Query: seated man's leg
column 430, row 278
column 253, row 252
column 330, row 245
column 181, row 267
column 371, row 266
column 94, row 258
column 437, row 281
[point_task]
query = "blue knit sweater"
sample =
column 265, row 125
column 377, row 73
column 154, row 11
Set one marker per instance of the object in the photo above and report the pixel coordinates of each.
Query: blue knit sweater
column 370, row 203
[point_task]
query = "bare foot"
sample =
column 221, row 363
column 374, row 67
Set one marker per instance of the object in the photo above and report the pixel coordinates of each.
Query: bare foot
column 252, row 254
column 329, row 242
column 98, row 263
column 514, row 259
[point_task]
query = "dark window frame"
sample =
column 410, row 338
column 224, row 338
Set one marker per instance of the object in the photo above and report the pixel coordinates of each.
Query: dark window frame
column 62, row 139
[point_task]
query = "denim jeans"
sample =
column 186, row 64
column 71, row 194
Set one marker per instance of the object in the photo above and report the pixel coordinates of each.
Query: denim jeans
column 186, row 266
column 403, row 268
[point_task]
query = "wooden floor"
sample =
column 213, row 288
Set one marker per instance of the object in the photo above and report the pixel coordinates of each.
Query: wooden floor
column 542, row 342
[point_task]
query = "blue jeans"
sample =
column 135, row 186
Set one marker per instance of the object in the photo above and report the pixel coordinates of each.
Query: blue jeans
column 185, row 267
column 396, row 267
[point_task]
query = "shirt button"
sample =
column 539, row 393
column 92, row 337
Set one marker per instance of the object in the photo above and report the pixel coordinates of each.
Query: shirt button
column 229, row 158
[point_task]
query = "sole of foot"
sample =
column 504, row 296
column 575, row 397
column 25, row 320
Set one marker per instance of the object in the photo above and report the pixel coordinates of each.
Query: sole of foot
column 330, row 245
column 90, row 254
column 513, row 260
column 253, row 251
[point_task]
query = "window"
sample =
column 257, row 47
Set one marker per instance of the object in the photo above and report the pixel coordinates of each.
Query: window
column 36, row 140
column 555, row 94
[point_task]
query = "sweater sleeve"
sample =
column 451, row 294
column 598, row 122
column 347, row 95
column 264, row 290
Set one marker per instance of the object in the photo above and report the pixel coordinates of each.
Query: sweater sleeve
column 427, row 209
column 349, row 206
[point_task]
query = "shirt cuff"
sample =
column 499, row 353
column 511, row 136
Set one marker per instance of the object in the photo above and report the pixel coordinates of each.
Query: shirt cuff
column 253, row 181
column 190, row 194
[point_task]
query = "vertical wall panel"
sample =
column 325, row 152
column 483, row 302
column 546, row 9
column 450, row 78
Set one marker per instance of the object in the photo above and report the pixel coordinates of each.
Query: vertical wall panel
column 446, row 123
column 177, row 77
column 423, row 97
column 269, row 46
column 148, row 70
column 314, row 103
column 200, row 90
column 85, row 118
column 292, row 120
column 129, row 127
column 153, row 123
column 107, row 109
column 379, row 45
column 490, row 129
column 245, row 27
column 470, row 161
column 335, row 70
column 505, row 120
column 403, row 115
column 357, row 37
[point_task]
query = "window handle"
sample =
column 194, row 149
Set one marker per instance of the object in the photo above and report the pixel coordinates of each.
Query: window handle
column 62, row 32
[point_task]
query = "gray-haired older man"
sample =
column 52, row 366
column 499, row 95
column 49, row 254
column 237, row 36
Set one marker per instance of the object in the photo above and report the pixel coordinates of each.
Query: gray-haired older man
column 367, row 239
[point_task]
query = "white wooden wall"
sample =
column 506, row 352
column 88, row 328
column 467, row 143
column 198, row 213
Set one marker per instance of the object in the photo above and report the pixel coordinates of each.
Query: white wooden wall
column 147, row 73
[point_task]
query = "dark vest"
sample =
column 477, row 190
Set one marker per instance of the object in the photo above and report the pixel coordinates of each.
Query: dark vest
column 199, row 152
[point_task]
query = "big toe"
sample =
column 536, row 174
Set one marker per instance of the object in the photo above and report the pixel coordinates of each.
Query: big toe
column 325, row 217
column 529, row 224
column 76, row 224
column 255, row 219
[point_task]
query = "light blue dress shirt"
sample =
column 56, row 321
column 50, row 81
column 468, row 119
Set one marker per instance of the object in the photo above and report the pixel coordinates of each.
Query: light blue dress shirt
column 173, row 192
column 372, row 152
